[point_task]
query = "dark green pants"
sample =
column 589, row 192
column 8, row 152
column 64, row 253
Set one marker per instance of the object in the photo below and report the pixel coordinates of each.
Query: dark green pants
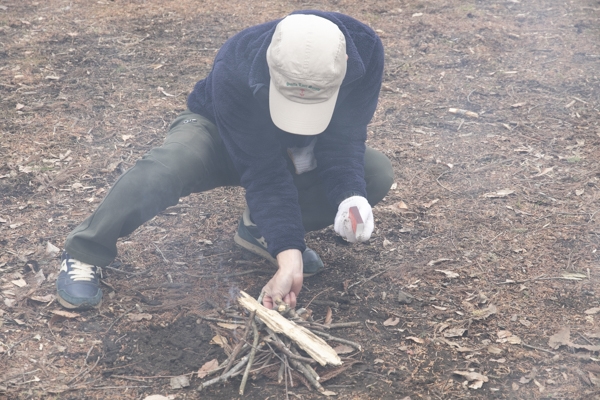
column 193, row 159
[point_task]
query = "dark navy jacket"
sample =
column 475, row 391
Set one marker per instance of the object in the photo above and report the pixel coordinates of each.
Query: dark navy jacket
column 235, row 97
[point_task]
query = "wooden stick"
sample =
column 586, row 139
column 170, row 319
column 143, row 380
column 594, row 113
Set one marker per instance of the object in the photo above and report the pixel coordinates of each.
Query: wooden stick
column 238, row 347
column 336, row 325
column 221, row 378
column 343, row 325
column 307, row 366
column 369, row 278
column 211, row 319
column 281, row 372
column 316, row 347
column 339, row 340
column 281, row 346
column 538, row 348
column 285, row 370
column 309, row 377
column 251, row 357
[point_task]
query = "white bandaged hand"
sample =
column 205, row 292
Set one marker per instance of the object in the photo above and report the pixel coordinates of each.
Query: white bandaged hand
column 343, row 222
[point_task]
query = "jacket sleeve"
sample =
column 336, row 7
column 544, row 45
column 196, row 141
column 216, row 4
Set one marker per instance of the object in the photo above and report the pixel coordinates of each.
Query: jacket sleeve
column 250, row 139
column 340, row 150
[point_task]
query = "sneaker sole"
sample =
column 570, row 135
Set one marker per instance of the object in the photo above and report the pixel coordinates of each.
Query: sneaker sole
column 259, row 251
column 70, row 306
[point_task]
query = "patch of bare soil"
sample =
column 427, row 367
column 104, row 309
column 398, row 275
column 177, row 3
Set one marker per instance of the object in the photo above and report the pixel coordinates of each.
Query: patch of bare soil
column 481, row 280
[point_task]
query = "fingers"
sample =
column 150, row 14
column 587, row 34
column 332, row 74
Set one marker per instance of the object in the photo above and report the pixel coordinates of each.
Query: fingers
column 268, row 302
column 290, row 299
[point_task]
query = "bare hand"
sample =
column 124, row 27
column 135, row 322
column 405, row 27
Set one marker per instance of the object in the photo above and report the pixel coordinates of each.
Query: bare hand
column 286, row 284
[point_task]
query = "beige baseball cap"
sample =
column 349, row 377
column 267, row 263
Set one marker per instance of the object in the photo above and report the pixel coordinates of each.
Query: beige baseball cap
column 307, row 63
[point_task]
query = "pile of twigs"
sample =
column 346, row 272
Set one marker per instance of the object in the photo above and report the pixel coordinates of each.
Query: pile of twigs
column 291, row 356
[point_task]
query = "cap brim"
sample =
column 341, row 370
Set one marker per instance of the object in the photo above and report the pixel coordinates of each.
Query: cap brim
column 299, row 118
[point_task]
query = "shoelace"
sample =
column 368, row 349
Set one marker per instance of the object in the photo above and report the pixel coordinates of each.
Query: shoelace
column 81, row 271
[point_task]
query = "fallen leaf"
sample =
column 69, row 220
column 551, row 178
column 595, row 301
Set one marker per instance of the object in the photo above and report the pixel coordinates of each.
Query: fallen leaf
column 53, row 77
column 229, row 326
column 343, row 349
column 449, row 274
column 218, row 340
column 494, row 350
column 19, row 106
column 180, row 382
column 400, row 207
column 561, row 338
column 459, row 348
column 499, row 193
column 523, row 149
column 579, row 192
column 584, row 347
column 404, row 298
column 52, row 249
column 574, row 276
column 39, row 277
column 455, row 332
column 378, row 361
column 432, row 202
column 393, row 321
column 504, row 334
column 438, row 261
column 157, row 397
column 592, row 311
column 416, row 339
column 19, row 282
column 328, row 316
column 544, row 172
column 594, row 379
column 514, row 340
column 43, row 299
column 207, row 367
column 126, row 137
column 485, row 313
column 472, row 376
column 525, row 323
column 328, row 393
column 160, row 89
column 517, row 105
column 139, row 317
column 476, row 385
column 64, row 314
column 439, row 308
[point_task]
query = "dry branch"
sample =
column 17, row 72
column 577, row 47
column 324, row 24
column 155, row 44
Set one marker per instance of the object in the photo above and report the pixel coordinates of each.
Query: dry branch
column 251, row 356
column 316, row 347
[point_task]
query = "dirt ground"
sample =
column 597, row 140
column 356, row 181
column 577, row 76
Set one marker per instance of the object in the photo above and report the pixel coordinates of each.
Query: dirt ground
column 484, row 257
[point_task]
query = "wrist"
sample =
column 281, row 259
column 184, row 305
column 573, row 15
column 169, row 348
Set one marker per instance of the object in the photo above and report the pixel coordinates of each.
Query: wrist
column 290, row 260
